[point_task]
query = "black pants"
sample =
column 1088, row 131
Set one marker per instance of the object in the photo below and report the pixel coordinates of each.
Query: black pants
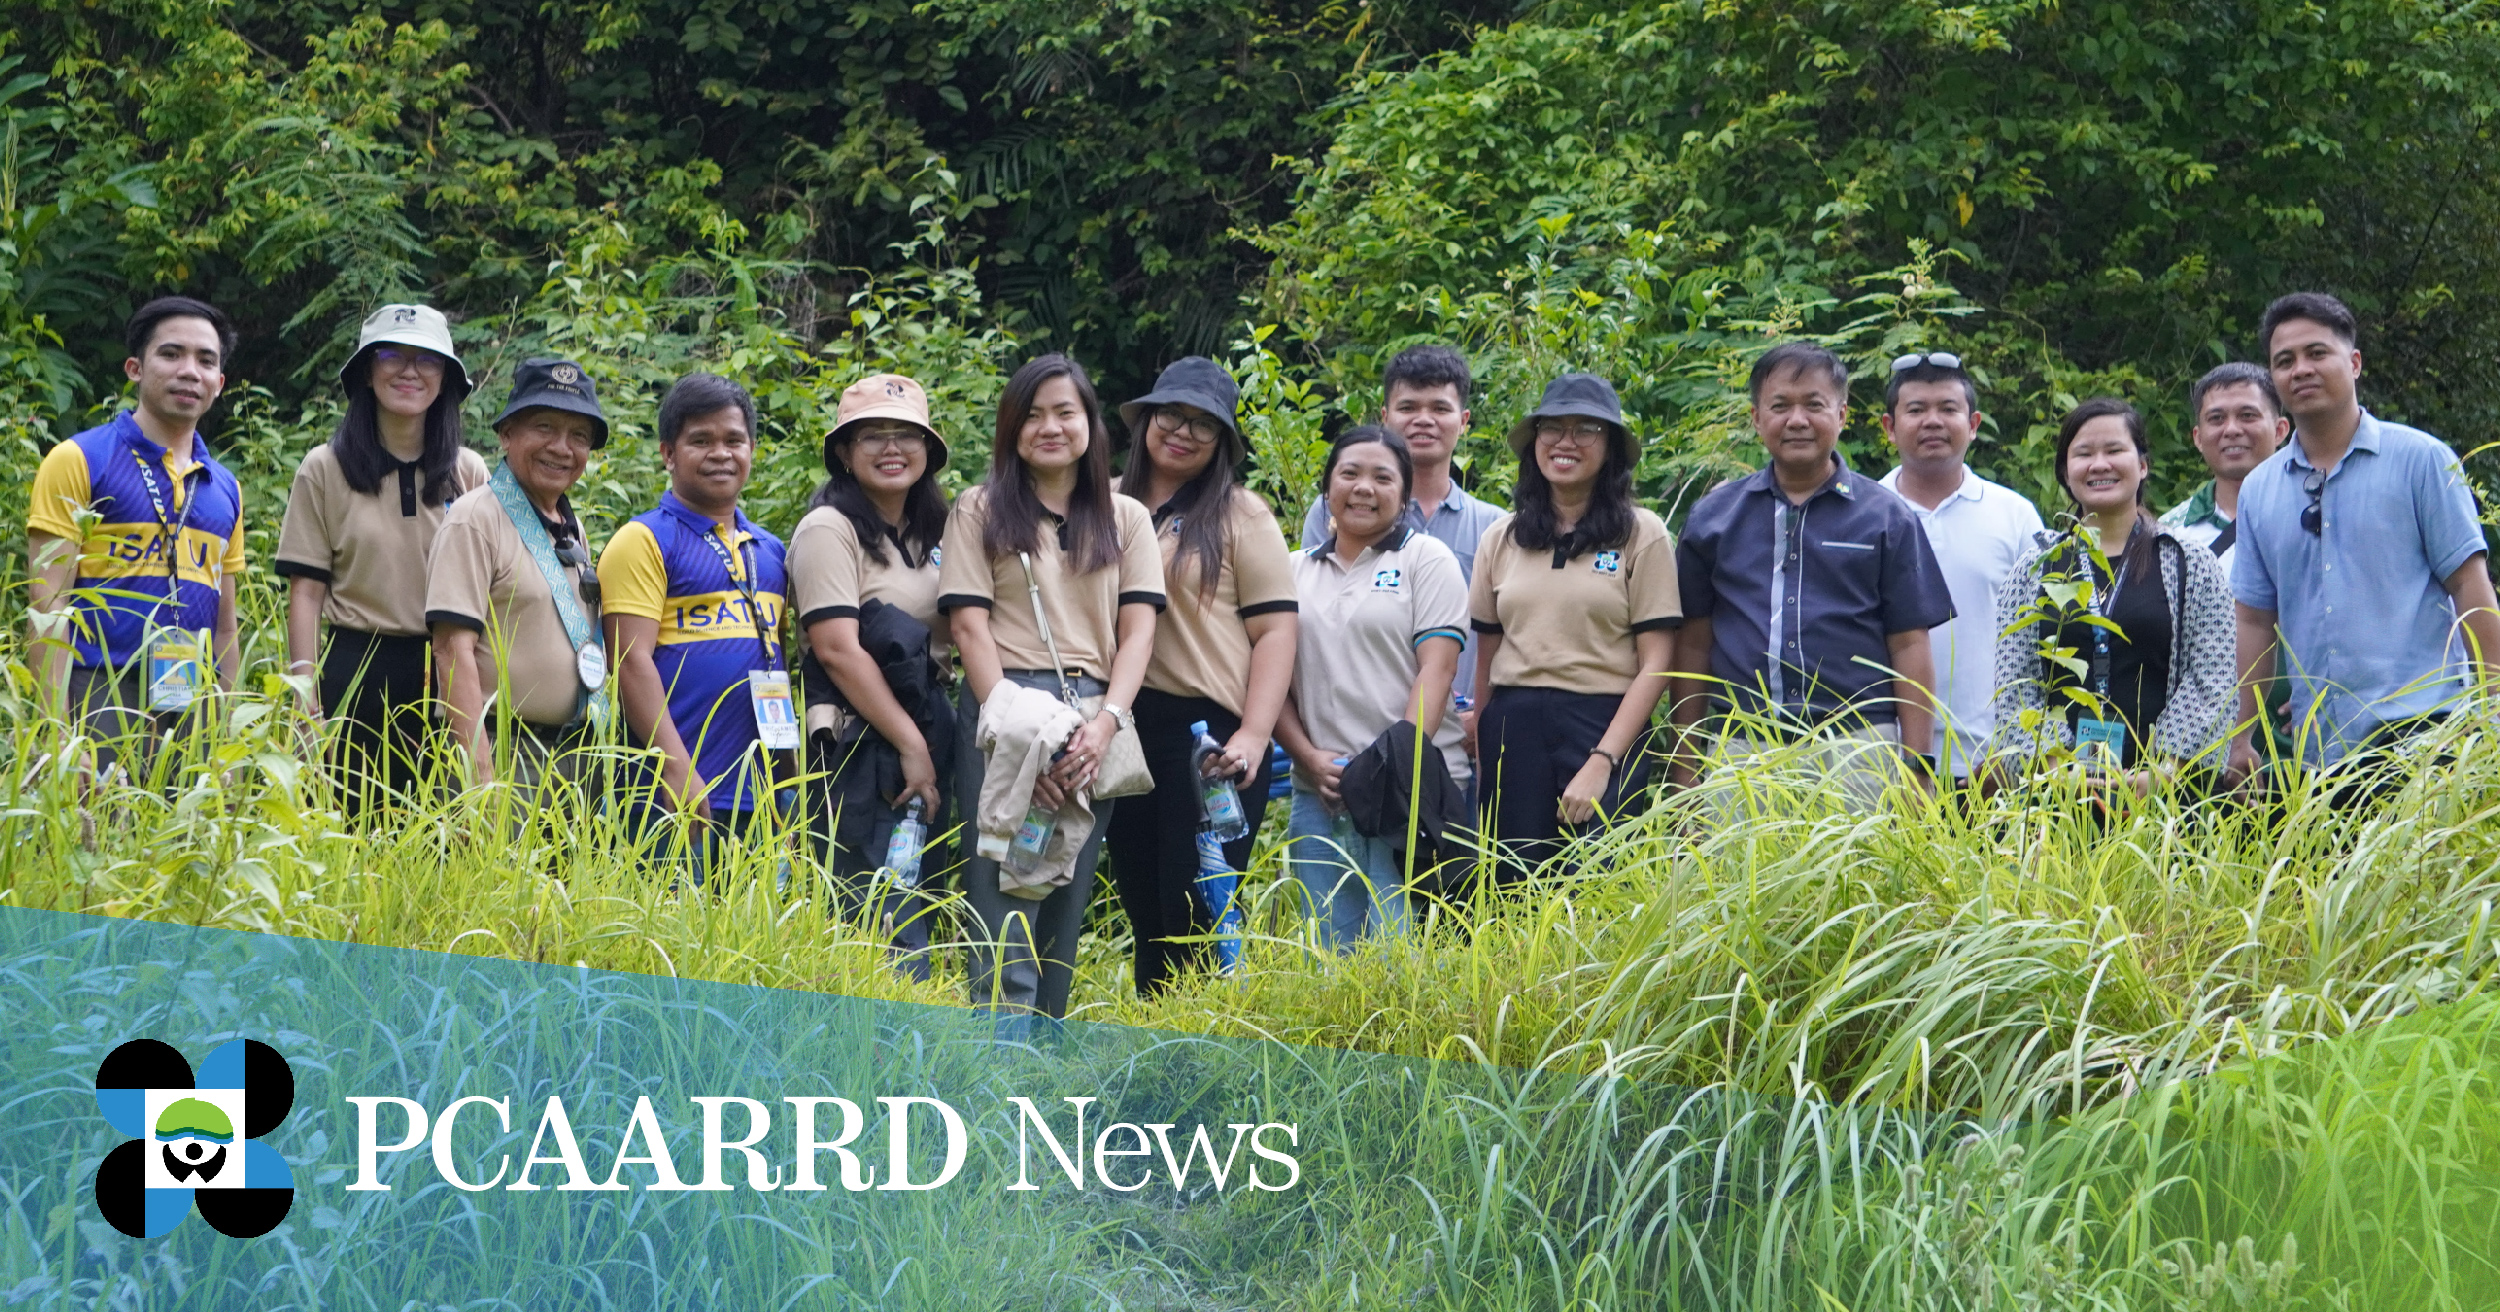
column 373, row 687
column 906, row 913
column 1529, row 743
column 1154, row 838
column 111, row 708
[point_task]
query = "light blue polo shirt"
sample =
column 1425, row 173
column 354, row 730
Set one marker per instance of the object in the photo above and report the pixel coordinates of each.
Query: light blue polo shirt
column 2369, row 634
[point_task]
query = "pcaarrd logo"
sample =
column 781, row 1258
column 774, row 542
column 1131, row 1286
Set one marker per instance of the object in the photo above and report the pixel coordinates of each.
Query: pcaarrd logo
column 194, row 1139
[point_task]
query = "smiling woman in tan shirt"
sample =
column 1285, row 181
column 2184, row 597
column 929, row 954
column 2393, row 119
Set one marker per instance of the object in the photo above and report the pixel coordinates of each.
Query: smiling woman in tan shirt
column 1575, row 602
column 1223, row 653
column 1049, row 500
column 359, row 523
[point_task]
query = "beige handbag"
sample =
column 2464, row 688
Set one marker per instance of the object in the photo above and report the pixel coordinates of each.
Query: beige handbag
column 1123, row 772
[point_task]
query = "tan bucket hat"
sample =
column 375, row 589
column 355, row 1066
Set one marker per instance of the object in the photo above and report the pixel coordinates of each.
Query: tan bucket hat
column 406, row 325
column 885, row 396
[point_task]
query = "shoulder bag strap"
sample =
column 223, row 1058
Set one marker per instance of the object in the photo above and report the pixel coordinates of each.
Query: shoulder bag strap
column 1041, row 620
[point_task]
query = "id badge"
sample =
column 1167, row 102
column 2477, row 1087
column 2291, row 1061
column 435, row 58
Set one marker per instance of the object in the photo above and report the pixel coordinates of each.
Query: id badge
column 590, row 660
column 175, row 675
column 776, row 722
column 2100, row 744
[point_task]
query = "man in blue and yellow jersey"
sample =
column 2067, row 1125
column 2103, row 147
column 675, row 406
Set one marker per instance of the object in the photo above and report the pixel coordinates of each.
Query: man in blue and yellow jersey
column 134, row 538
column 693, row 606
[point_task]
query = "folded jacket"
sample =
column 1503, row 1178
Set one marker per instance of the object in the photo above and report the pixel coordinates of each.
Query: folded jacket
column 1019, row 731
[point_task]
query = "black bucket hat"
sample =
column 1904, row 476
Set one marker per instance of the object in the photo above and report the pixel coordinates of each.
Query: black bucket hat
column 1572, row 396
column 1196, row 381
column 556, row 385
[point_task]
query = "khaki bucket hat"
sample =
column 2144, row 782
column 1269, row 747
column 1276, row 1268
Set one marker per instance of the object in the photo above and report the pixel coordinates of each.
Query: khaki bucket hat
column 885, row 396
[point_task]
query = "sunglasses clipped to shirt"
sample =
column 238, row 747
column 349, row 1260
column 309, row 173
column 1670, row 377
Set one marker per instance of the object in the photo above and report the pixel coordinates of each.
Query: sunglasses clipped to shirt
column 2313, row 515
column 569, row 549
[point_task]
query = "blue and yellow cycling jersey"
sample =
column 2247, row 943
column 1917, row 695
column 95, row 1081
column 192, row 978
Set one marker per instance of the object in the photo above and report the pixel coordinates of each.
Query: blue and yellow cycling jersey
column 677, row 566
column 161, row 542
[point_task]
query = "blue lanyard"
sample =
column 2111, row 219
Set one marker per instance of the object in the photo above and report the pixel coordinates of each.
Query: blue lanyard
column 741, row 571
column 2107, row 608
column 169, row 529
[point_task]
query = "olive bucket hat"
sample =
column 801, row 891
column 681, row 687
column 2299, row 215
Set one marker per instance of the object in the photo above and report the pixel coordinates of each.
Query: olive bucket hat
column 406, row 325
column 885, row 396
column 1193, row 381
column 556, row 385
column 1572, row 396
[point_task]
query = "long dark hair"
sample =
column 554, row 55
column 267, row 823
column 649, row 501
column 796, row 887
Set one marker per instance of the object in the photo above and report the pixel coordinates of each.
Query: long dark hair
column 1203, row 503
column 2138, row 561
column 1604, row 525
column 363, row 461
column 924, row 506
column 1012, row 514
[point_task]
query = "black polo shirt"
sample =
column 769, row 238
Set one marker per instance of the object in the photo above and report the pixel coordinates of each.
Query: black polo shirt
column 1800, row 598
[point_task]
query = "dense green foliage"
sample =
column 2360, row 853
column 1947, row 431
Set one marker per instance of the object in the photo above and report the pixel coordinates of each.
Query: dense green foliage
column 2120, row 188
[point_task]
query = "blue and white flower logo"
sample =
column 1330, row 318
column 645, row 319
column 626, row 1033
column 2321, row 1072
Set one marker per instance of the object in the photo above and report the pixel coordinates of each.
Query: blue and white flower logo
column 194, row 1139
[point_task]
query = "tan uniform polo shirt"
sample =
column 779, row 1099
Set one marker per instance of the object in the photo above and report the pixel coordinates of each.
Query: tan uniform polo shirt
column 1355, row 662
column 1568, row 624
column 832, row 575
column 370, row 549
column 1084, row 608
column 1201, row 648
column 480, row 577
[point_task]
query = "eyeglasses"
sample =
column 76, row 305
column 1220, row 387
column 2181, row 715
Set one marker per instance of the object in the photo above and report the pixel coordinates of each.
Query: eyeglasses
column 2313, row 515
column 892, row 439
column 1554, row 432
column 407, row 357
column 1941, row 359
column 1202, row 428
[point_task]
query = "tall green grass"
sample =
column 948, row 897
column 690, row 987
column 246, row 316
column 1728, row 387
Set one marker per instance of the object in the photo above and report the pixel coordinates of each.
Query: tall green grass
column 1959, row 1053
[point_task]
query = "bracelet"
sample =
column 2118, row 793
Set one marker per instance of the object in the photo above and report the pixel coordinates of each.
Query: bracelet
column 1613, row 762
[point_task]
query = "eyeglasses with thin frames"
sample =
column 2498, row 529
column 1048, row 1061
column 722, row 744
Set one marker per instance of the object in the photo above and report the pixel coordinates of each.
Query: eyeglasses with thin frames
column 2313, row 515
column 406, row 357
column 1558, row 434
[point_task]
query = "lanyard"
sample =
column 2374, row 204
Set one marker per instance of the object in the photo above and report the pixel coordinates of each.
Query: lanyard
column 171, row 531
column 2107, row 608
column 741, row 571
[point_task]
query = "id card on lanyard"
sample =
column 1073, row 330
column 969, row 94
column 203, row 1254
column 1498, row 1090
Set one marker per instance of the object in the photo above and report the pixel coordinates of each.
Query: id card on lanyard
column 768, row 689
column 2101, row 744
column 173, row 660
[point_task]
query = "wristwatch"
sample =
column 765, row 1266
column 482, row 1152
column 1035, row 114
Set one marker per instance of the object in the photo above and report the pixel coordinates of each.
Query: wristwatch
column 1121, row 714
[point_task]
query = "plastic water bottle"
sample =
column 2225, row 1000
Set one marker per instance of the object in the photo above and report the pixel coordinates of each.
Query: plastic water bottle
column 1024, row 853
column 1219, row 803
column 902, row 851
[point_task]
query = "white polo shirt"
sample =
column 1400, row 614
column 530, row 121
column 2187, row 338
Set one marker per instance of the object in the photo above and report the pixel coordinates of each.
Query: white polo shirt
column 1355, row 661
column 1978, row 534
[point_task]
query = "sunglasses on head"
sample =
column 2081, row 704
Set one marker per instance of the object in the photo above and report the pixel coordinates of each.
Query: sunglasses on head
column 1941, row 359
column 2313, row 515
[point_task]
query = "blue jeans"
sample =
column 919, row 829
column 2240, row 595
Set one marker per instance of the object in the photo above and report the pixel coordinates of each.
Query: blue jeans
column 1352, row 883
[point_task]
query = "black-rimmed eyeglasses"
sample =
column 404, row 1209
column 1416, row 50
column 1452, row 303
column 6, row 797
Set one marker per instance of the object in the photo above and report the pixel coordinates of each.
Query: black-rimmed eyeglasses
column 1940, row 359
column 2313, row 515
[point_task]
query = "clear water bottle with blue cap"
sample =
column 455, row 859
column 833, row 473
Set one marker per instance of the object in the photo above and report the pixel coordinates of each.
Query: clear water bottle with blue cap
column 1219, row 800
column 902, row 851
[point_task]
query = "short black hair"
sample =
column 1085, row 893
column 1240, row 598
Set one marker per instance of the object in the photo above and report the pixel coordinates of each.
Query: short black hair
column 2238, row 373
column 1804, row 357
column 140, row 331
column 701, row 394
column 1425, row 367
column 2318, row 308
column 1928, row 371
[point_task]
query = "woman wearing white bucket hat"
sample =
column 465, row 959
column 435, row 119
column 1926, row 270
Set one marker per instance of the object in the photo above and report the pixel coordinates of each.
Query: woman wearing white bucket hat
column 359, row 522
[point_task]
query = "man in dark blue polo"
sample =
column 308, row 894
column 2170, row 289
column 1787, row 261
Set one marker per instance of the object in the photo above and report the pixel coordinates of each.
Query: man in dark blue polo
column 2360, row 550
column 1808, row 594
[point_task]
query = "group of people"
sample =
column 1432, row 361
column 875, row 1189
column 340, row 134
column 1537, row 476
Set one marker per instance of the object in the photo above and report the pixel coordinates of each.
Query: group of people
column 1067, row 663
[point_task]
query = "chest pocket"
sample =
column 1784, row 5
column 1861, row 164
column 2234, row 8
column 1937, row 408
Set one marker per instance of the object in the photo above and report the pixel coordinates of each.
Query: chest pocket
column 1848, row 573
